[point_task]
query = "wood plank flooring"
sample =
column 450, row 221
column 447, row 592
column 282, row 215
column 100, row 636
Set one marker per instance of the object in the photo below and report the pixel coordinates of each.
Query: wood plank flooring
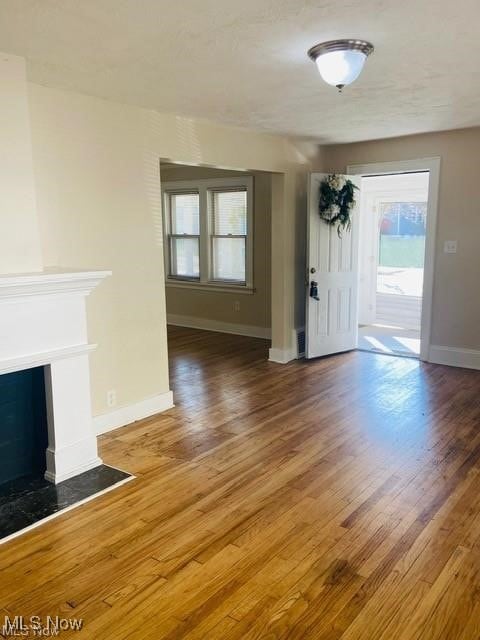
column 324, row 500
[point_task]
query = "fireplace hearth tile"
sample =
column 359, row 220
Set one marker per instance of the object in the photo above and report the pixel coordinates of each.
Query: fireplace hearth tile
column 28, row 501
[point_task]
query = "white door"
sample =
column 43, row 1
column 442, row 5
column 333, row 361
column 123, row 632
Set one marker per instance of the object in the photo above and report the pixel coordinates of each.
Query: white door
column 332, row 263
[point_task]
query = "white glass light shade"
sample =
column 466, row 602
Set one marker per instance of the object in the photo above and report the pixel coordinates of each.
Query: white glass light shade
column 340, row 68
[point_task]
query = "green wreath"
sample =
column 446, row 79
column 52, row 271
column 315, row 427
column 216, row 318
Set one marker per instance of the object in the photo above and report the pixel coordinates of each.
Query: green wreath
column 336, row 201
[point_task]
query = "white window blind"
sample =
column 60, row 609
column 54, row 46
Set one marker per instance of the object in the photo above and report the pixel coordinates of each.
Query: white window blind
column 229, row 234
column 208, row 233
column 184, row 235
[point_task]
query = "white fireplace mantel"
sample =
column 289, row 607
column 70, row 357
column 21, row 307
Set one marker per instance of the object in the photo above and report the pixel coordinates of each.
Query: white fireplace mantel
column 43, row 323
column 50, row 282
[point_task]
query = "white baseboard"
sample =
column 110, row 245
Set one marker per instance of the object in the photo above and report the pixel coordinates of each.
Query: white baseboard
column 55, row 477
column 222, row 327
column 466, row 358
column 126, row 415
column 282, row 356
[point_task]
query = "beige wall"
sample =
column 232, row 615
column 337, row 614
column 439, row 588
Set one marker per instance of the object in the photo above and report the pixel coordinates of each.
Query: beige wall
column 19, row 236
column 98, row 192
column 456, row 303
column 219, row 306
column 97, row 201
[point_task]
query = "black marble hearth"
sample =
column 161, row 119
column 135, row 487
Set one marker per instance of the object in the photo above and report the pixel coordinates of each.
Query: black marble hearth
column 26, row 501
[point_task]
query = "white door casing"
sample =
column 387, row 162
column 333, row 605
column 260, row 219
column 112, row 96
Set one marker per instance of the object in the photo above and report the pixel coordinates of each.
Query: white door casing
column 331, row 321
column 376, row 190
column 432, row 165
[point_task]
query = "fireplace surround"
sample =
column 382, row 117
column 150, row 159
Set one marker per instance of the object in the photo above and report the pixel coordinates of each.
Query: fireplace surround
column 43, row 324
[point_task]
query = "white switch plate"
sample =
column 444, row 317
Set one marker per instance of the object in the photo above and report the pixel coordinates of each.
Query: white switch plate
column 450, row 246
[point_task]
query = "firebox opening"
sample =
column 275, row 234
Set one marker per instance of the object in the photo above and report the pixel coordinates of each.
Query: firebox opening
column 23, row 424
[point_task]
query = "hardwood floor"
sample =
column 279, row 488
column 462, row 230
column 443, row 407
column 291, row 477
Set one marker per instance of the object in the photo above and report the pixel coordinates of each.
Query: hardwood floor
column 337, row 498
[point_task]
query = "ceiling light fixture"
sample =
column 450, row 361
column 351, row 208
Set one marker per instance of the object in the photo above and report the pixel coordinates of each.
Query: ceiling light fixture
column 340, row 61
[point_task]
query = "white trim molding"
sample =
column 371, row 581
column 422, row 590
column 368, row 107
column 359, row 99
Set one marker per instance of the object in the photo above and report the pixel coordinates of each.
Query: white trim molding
column 282, row 356
column 432, row 165
column 205, row 188
column 206, row 324
column 124, row 416
column 69, row 457
column 454, row 357
column 41, row 359
column 209, row 286
column 50, row 282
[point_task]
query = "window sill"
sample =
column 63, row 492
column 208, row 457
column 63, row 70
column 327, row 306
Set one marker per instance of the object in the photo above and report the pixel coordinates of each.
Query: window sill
column 210, row 286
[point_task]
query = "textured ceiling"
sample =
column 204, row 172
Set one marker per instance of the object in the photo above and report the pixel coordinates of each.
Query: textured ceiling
column 244, row 63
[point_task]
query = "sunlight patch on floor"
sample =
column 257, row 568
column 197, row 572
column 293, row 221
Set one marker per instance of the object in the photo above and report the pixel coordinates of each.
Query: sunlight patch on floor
column 391, row 340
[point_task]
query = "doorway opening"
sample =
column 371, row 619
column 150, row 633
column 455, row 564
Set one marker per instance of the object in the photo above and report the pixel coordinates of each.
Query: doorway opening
column 217, row 250
column 393, row 230
column 398, row 247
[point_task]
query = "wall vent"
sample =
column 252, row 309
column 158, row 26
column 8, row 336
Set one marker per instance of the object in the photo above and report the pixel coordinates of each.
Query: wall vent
column 301, row 342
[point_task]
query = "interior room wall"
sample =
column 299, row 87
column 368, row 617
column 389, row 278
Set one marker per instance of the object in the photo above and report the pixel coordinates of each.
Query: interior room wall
column 456, row 307
column 97, row 176
column 97, row 202
column 254, row 312
column 19, row 238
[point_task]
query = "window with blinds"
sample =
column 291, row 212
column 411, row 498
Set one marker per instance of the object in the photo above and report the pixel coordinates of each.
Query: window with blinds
column 184, row 236
column 229, row 235
column 208, row 231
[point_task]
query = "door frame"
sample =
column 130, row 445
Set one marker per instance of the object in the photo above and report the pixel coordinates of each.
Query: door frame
column 432, row 165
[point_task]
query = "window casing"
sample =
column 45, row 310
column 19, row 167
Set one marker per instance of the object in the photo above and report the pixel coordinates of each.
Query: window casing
column 217, row 217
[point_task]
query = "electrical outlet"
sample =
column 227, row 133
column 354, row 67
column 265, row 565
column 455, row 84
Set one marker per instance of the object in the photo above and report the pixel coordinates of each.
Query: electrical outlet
column 111, row 398
column 450, row 246
column 236, row 305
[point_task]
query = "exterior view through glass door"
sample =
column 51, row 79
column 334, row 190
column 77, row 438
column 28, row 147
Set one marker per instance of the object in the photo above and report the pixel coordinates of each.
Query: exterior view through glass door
column 393, row 223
